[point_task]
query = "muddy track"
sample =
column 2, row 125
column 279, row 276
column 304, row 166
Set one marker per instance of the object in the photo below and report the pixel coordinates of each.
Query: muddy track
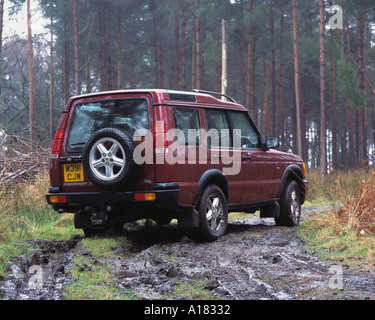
column 254, row 260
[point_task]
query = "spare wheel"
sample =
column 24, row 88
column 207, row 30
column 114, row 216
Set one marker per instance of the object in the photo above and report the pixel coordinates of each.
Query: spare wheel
column 108, row 158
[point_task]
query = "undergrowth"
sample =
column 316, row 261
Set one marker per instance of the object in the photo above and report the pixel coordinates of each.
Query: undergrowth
column 24, row 208
column 347, row 229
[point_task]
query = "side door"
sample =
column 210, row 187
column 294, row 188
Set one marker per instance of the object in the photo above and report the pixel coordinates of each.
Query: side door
column 258, row 165
column 183, row 162
column 223, row 155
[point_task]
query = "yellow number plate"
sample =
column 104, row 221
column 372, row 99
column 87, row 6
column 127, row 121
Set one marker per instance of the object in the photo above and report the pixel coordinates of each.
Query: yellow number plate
column 73, row 172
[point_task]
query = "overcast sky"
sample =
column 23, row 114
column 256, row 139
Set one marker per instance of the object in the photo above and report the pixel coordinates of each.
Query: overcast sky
column 18, row 23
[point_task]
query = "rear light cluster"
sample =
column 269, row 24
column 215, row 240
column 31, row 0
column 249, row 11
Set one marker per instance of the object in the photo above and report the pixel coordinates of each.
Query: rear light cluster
column 161, row 138
column 57, row 144
column 58, row 199
column 144, row 196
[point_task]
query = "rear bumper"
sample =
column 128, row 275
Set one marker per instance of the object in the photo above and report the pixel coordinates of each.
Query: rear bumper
column 163, row 196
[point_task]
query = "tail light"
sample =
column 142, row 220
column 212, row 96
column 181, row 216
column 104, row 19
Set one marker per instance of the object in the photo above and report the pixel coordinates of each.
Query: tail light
column 57, row 199
column 57, row 144
column 161, row 138
column 144, row 196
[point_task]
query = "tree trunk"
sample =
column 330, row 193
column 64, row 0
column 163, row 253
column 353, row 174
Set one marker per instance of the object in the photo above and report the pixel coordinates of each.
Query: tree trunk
column 198, row 58
column 267, row 120
column 334, row 114
column 1, row 24
column 297, row 78
column 250, row 58
column 184, row 42
column 51, row 88
column 87, row 73
column 350, row 118
column 176, row 69
column 31, row 74
column 155, row 44
column 362, row 121
column 242, row 55
column 76, row 51
column 273, row 71
column 224, row 70
column 280, row 111
column 119, row 48
column 66, row 60
column 323, row 140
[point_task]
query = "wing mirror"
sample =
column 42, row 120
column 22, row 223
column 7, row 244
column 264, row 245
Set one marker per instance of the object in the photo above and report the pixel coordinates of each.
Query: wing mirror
column 272, row 143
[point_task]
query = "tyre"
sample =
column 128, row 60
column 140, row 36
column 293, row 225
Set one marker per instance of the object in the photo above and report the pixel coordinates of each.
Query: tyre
column 108, row 158
column 213, row 215
column 290, row 206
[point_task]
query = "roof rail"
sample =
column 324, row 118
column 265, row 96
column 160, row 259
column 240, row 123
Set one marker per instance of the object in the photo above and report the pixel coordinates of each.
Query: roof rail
column 215, row 94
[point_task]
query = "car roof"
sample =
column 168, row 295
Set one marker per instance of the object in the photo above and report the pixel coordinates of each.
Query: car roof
column 173, row 97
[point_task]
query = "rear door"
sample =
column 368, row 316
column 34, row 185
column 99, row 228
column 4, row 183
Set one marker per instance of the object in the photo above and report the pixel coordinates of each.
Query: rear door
column 128, row 112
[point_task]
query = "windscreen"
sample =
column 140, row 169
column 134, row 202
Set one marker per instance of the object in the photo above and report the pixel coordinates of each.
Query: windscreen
column 128, row 115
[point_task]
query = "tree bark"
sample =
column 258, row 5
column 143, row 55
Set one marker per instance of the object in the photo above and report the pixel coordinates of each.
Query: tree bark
column 267, row 120
column 273, row 71
column 51, row 88
column 1, row 24
column 224, row 70
column 176, row 69
column 119, row 48
column 323, row 140
column 76, row 51
column 297, row 78
column 362, row 112
column 184, row 42
column 31, row 74
column 350, row 115
column 198, row 57
column 250, row 58
column 280, row 111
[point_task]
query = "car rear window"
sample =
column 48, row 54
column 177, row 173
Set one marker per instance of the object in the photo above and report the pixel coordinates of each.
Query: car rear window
column 128, row 115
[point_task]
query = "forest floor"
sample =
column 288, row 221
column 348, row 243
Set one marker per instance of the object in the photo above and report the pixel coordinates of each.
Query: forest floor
column 255, row 260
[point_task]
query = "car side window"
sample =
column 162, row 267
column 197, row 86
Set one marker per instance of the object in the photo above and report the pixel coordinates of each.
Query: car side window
column 248, row 135
column 187, row 120
column 219, row 128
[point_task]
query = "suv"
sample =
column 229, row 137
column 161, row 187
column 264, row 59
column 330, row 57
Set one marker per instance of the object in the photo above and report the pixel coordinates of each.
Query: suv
column 127, row 155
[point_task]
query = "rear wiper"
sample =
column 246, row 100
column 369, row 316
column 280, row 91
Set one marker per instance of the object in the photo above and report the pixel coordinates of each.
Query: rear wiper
column 77, row 144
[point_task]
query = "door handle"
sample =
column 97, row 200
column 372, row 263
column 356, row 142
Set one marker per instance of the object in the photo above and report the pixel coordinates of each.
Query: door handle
column 246, row 158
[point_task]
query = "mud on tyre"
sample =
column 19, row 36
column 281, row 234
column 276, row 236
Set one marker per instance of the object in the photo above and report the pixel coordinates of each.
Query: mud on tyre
column 290, row 205
column 213, row 215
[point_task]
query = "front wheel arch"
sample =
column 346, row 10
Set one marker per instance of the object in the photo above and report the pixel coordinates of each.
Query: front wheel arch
column 290, row 205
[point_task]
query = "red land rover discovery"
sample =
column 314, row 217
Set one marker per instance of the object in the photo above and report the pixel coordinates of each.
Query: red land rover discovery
column 127, row 155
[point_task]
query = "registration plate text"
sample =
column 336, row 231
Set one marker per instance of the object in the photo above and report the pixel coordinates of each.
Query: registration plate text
column 73, row 172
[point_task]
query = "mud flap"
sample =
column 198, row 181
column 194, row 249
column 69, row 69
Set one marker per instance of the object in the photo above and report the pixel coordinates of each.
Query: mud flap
column 189, row 220
column 270, row 211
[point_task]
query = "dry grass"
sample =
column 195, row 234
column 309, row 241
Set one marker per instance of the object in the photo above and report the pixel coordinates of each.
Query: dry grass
column 336, row 184
column 357, row 209
column 23, row 206
column 352, row 195
column 346, row 231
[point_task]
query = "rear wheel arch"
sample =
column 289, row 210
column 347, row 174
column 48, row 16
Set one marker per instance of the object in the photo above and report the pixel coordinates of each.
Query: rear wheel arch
column 212, row 177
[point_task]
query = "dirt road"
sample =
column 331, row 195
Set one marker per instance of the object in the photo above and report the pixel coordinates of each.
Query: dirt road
column 254, row 260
